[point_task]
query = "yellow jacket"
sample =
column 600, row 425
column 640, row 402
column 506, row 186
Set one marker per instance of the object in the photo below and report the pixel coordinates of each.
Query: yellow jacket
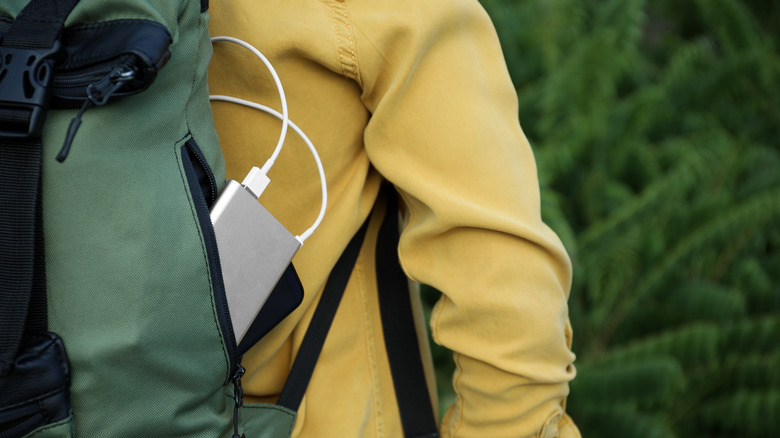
column 415, row 92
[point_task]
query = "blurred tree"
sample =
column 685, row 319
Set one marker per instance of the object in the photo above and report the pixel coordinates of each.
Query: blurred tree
column 655, row 126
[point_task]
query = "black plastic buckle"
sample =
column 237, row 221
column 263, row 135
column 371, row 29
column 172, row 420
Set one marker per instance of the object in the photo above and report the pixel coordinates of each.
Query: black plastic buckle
column 25, row 75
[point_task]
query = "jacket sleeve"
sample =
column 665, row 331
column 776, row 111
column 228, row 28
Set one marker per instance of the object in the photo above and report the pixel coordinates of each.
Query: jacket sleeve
column 444, row 130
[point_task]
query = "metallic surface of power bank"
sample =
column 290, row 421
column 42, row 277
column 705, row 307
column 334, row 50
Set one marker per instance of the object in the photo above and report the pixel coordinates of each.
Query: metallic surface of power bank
column 254, row 251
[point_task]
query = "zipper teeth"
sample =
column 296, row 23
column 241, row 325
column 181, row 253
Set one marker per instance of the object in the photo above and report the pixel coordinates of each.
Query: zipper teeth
column 24, row 424
column 212, row 183
column 72, row 84
column 222, row 308
column 77, row 80
column 213, row 251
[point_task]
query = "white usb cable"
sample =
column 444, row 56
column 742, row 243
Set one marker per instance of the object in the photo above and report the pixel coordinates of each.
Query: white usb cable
column 257, row 179
column 308, row 142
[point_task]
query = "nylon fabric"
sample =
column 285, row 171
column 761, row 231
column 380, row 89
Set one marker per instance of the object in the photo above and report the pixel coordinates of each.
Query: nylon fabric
column 22, row 273
column 130, row 289
column 34, row 370
column 16, row 119
column 263, row 420
column 60, row 429
column 42, row 22
column 19, row 237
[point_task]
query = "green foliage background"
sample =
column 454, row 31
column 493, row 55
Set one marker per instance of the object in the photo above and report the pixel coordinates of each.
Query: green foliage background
column 655, row 127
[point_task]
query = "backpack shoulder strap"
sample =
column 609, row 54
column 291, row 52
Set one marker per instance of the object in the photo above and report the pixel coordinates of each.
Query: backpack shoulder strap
column 414, row 402
column 27, row 52
column 314, row 339
column 403, row 349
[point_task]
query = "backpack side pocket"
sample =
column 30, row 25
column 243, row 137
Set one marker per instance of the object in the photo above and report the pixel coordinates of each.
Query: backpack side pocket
column 203, row 189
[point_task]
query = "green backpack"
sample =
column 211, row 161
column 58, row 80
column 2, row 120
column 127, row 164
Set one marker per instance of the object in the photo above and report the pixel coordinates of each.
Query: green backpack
column 123, row 215
column 108, row 150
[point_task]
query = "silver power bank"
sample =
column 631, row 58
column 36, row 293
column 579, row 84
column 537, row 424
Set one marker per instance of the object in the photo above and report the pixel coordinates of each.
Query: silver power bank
column 254, row 251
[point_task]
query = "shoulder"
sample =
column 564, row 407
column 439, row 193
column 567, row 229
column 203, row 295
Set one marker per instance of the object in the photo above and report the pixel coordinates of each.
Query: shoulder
column 388, row 34
column 415, row 16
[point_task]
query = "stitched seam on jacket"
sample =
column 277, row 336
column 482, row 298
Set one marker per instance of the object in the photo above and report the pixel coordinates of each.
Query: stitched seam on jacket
column 458, row 404
column 346, row 42
column 412, row 219
column 456, row 417
column 370, row 340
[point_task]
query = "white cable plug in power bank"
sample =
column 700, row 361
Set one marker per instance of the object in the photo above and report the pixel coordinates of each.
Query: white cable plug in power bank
column 254, row 251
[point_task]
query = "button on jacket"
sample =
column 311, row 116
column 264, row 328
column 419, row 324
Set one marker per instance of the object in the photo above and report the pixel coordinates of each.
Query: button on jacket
column 415, row 92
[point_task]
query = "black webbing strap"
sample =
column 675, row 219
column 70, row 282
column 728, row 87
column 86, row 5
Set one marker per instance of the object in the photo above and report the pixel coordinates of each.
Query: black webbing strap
column 417, row 416
column 314, row 339
column 25, row 49
column 403, row 350
column 39, row 24
column 22, row 274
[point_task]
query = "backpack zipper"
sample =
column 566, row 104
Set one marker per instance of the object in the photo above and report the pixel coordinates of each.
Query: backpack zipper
column 73, row 84
column 98, row 94
column 68, row 86
column 198, row 155
column 238, row 397
column 193, row 156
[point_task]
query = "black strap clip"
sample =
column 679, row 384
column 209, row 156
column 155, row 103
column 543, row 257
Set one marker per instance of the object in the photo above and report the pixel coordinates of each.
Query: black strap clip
column 25, row 76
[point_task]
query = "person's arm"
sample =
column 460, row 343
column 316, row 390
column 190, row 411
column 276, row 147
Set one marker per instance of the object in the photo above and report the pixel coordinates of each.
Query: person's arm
column 444, row 130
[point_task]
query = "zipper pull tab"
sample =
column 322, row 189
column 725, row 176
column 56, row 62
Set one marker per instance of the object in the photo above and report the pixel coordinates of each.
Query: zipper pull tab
column 238, row 397
column 72, row 128
column 98, row 94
